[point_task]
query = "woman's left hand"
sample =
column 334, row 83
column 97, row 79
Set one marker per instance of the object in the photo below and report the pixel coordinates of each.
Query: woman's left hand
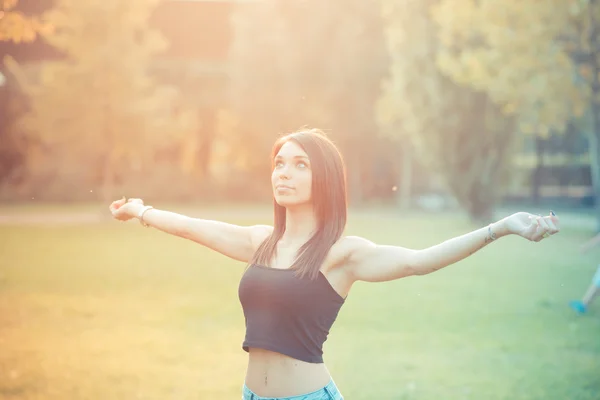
column 532, row 227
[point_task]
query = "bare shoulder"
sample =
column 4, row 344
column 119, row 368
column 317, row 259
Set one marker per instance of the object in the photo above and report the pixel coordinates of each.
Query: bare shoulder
column 348, row 247
column 258, row 234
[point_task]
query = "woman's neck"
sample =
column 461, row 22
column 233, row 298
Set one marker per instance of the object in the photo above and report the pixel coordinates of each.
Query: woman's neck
column 300, row 225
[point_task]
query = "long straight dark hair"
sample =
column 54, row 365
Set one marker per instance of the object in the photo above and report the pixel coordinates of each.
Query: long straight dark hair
column 328, row 196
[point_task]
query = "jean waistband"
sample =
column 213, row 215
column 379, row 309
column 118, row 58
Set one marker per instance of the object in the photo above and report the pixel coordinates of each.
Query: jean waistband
column 331, row 389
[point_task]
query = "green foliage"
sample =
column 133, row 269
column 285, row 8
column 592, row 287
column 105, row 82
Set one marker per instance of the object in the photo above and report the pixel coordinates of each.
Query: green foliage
column 457, row 132
column 18, row 27
column 99, row 107
column 515, row 52
column 539, row 61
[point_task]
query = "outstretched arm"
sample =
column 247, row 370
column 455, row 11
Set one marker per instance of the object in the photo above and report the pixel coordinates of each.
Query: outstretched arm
column 370, row 262
column 234, row 241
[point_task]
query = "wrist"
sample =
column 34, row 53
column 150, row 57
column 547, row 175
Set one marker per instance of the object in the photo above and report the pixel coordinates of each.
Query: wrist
column 142, row 213
column 136, row 209
column 500, row 229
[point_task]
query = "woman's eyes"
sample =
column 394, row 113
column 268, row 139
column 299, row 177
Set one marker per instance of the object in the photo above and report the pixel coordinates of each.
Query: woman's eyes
column 300, row 164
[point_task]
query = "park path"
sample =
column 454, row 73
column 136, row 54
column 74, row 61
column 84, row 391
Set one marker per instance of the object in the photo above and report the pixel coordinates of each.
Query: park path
column 56, row 217
column 19, row 217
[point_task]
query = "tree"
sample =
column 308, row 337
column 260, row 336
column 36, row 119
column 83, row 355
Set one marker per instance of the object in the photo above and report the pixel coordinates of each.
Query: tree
column 310, row 63
column 98, row 111
column 457, row 132
column 12, row 151
column 17, row 27
column 539, row 61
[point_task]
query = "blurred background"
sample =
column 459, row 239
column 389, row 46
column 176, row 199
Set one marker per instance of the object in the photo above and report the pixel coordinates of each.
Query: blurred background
column 449, row 113
column 434, row 103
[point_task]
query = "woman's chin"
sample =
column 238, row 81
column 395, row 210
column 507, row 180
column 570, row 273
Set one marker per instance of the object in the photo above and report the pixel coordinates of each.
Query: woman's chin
column 284, row 202
column 288, row 201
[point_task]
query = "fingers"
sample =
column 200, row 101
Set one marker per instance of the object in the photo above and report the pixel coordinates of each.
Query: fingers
column 545, row 226
column 555, row 220
column 552, row 222
column 115, row 205
column 534, row 230
column 544, row 230
column 537, row 229
column 121, row 210
column 540, row 230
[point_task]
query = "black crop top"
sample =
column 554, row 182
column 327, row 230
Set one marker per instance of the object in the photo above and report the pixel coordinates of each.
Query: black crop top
column 286, row 314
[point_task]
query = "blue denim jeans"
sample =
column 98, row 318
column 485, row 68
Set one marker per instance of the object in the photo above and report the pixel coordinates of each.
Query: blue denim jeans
column 329, row 392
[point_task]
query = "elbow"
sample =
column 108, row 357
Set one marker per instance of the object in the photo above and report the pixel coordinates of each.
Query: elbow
column 424, row 271
column 421, row 271
column 418, row 264
column 415, row 271
column 410, row 267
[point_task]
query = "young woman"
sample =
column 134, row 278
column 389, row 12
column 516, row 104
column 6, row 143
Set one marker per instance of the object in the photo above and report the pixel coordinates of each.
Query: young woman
column 301, row 269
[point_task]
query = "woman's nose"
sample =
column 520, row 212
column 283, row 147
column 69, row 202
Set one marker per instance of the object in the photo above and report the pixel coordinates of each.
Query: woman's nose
column 284, row 176
column 284, row 173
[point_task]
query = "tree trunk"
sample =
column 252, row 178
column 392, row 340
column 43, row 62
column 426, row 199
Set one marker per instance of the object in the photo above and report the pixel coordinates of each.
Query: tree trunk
column 480, row 211
column 207, row 136
column 109, row 178
column 355, row 183
column 481, row 179
column 352, row 152
column 537, row 172
column 595, row 131
column 595, row 158
column 404, row 193
column 108, row 169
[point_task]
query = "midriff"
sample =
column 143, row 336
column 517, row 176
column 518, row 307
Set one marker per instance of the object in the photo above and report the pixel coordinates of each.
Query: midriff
column 272, row 374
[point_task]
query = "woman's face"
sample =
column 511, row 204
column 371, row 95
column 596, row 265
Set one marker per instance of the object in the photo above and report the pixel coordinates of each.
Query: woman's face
column 292, row 176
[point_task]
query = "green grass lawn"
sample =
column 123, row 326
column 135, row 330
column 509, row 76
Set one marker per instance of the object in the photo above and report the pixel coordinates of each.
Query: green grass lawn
column 114, row 311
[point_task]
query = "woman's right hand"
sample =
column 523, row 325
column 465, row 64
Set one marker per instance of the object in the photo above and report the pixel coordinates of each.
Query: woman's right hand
column 124, row 210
